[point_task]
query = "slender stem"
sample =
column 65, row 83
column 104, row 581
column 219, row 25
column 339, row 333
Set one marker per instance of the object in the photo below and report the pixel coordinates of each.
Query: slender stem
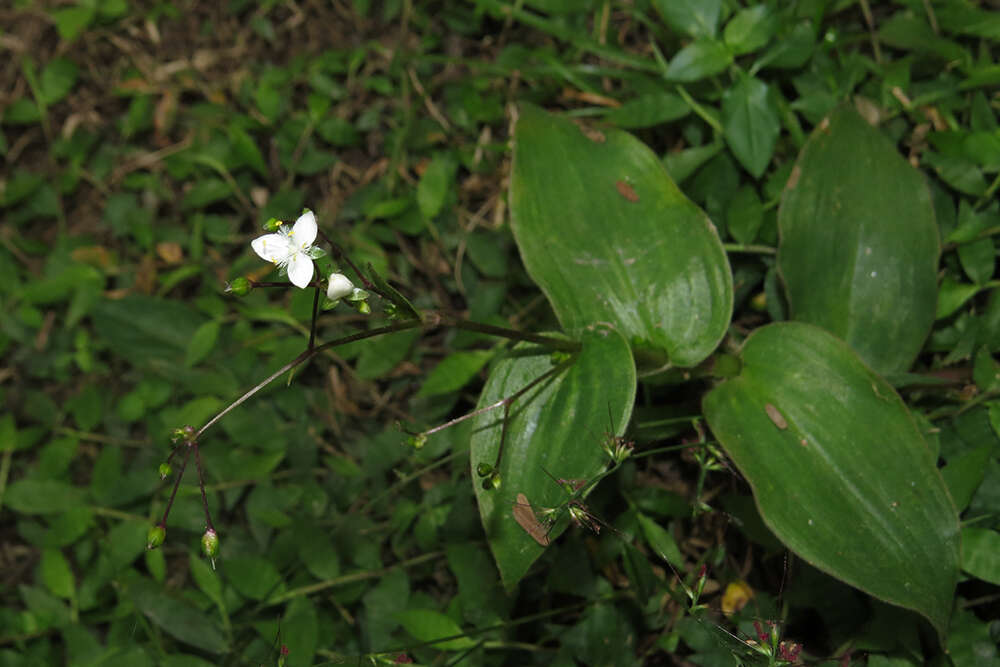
column 177, row 483
column 201, row 485
column 513, row 334
column 312, row 327
column 305, row 355
column 507, row 402
column 468, row 415
column 339, row 254
column 349, row 579
column 756, row 249
column 403, row 481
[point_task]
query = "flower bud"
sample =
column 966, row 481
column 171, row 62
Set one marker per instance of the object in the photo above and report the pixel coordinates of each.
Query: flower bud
column 339, row 286
column 417, row 441
column 210, row 545
column 272, row 225
column 165, row 470
column 155, row 536
column 493, row 482
column 239, row 286
column 484, row 469
column 185, row 433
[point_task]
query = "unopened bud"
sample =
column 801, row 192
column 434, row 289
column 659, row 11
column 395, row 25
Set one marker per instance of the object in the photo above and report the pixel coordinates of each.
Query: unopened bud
column 484, row 469
column 272, row 225
column 165, row 470
column 185, row 433
column 239, row 286
column 210, row 545
column 493, row 482
column 155, row 536
column 417, row 441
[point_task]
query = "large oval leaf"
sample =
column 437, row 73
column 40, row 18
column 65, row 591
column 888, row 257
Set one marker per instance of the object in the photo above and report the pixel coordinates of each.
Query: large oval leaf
column 610, row 238
column 555, row 426
column 840, row 472
column 859, row 243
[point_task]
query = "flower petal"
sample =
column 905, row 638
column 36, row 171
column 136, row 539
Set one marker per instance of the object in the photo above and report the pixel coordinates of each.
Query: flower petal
column 339, row 286
column 304, row 232
column 272, row 247
column 300, row 269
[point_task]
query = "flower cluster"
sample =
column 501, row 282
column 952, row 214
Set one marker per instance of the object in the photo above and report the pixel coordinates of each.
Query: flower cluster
column 292, row 251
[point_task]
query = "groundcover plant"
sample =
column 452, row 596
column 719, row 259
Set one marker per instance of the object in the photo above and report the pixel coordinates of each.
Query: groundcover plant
column 603, row 333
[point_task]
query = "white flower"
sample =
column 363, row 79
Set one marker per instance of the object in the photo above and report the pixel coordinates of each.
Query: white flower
column 291, row 249
column 339, row 287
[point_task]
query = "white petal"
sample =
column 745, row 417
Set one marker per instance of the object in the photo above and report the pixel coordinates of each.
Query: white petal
column 304, row 232
column 339, row 287
column 272, row 247
column 300, row 269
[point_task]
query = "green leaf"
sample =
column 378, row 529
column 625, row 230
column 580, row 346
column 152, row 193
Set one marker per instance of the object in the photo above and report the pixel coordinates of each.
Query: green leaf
column 859, row 242
column 649, row 110
column 48, row 496
column 202, row 342
column 403, row 305
column 300, row 632
column 142, row 329
column 454, row 372
column 953, row 295
column 70, row 22
column 964, row 474
column 57, row 574
column 426, row 625
column 745, row 215
column 58, row 78
column 978, row 259
column 749, row 29
column 434, row 185
column 750, row 123
column 206, row 578
column 610, row 238
column 253, row 576
column 246, row 151
column 981, row 553
column 380, row 355
column 554, row 427
column 175, row 617
column 986, row 370
column 698, row 18
column 699, row 59
column 839, row 469
column 205, row 191
column 661, row 541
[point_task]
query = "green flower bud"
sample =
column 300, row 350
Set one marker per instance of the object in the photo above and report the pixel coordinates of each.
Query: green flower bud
column 493, row 482
column 272, row 225
column 239, row 286
column 165, row 470
column 185, row 433
column 210, row 545
column 362, row 307
column 155, row 536
column 484, row 469
column 417, row 441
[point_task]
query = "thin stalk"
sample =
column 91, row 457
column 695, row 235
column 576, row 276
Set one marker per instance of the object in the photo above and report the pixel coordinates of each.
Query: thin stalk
column 312, row 326
column 304, row 356
column 201, row 485
column 177, row 483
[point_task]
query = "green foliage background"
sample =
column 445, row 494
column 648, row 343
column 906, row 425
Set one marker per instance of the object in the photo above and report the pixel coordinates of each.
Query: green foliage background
column 145, row 143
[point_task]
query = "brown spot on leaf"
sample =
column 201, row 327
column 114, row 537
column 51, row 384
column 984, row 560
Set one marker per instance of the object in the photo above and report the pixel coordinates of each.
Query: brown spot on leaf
column 775, row 415
column 626, row 190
